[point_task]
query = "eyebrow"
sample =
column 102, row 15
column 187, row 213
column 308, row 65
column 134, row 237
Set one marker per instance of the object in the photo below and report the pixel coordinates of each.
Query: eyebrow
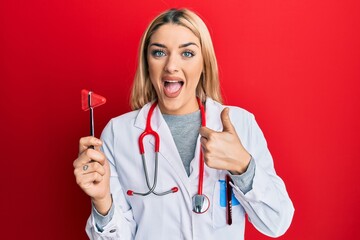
column 188, row 44
column 181, row 46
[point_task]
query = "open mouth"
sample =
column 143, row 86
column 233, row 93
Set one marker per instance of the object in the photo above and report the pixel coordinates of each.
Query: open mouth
column 172, row 88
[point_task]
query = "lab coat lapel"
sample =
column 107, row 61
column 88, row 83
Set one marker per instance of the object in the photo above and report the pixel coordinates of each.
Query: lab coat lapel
column 213, row 115
column 213, row 121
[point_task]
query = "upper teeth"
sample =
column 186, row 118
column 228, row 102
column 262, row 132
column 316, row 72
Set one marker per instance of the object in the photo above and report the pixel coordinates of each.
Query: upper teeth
column 172, row 81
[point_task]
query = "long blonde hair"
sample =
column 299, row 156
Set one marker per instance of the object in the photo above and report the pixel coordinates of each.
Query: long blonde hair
column 142, row 89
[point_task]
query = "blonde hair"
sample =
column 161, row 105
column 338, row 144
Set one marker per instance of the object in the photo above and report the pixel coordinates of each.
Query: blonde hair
column 142, row 90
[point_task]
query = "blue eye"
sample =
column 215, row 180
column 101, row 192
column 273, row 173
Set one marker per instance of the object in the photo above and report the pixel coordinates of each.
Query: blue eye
column 188, row 54
column 158, row 53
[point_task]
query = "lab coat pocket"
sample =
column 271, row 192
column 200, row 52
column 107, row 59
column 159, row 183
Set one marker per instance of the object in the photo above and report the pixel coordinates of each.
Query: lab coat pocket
column 219, row 207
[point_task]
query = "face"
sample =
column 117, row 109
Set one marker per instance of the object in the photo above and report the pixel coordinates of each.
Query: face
column 175, row 66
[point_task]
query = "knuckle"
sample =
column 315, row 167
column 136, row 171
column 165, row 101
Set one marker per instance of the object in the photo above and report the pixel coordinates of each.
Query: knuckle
column 100, row 156
column 207, row 157
column 95, row 166
column 210, row 157
column 83, row 140
column 100, row 178
column 75, row 163
column 97, row 177
column 209, row 146
column 212, row 136
column 209, row 162
column 87, row 141
column 94, row 175
column 103, row 157
column 78, row 181
column 83, row 185
column 88, row 152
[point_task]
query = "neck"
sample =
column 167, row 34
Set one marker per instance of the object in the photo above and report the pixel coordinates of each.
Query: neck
column 178, row 108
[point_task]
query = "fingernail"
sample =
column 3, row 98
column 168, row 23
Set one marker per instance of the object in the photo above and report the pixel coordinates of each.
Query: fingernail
column 98, row 142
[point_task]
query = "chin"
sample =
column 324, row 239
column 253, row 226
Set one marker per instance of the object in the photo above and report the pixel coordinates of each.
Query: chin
column 171, row 106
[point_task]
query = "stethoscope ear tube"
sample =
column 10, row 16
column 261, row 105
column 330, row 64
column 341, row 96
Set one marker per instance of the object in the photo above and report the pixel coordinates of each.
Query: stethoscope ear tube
column 151, row 188
column 149, row 131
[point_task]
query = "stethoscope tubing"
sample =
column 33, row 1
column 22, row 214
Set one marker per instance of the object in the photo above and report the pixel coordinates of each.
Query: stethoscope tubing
column 152, row 188
column 149, row 131
column 201, row 160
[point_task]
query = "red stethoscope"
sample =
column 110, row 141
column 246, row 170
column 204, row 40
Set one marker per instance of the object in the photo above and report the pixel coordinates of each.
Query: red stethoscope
column 200, row 201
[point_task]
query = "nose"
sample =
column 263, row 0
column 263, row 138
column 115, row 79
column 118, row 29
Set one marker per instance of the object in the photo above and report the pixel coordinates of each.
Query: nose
column 171, row 65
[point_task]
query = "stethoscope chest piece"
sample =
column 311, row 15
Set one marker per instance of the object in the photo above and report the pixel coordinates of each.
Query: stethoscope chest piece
column 200, row 203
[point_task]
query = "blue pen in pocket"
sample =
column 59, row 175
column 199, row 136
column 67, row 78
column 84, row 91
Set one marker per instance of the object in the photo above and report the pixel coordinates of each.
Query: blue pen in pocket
column 223, row 195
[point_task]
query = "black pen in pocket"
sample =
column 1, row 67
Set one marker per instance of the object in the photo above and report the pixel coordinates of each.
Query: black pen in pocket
column 228, row 200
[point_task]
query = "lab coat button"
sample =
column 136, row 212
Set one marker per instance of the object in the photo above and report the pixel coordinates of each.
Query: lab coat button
column 112, row 230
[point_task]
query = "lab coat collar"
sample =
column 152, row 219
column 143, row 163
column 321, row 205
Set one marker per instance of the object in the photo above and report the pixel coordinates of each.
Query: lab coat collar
column 212, row 108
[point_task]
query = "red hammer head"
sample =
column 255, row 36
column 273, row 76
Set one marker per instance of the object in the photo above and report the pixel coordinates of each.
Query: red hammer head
column 90, row 100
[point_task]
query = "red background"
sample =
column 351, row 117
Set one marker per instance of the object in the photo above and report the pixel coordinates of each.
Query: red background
column 294, row 64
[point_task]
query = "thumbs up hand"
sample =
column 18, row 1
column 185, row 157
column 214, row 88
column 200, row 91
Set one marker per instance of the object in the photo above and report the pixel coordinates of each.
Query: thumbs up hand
column 224, row 150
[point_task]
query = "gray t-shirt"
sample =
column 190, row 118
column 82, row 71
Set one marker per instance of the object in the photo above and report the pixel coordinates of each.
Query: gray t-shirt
column 185, row 132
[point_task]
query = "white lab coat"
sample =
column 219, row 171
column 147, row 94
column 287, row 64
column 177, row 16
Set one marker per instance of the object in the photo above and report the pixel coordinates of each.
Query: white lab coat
column 267, row 205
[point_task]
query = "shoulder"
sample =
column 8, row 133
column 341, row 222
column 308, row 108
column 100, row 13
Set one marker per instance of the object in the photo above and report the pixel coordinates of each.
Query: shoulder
column 125, row 118
column 122, row 122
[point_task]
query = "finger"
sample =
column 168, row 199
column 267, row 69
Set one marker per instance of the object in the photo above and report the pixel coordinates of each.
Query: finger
column 225, row 119
column 89, row 155
column 92, row 167
column 86, row 142
column 87, row 180
column 206, row 132
column 203, row 142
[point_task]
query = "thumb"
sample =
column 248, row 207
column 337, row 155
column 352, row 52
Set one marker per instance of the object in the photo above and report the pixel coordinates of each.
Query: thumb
column 225, row 119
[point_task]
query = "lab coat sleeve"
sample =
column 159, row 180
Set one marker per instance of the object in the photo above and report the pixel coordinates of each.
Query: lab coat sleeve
column 122, row 224
column 267, row 204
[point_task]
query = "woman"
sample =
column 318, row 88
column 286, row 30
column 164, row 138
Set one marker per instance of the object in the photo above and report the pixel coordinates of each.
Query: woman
column 177, row 199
